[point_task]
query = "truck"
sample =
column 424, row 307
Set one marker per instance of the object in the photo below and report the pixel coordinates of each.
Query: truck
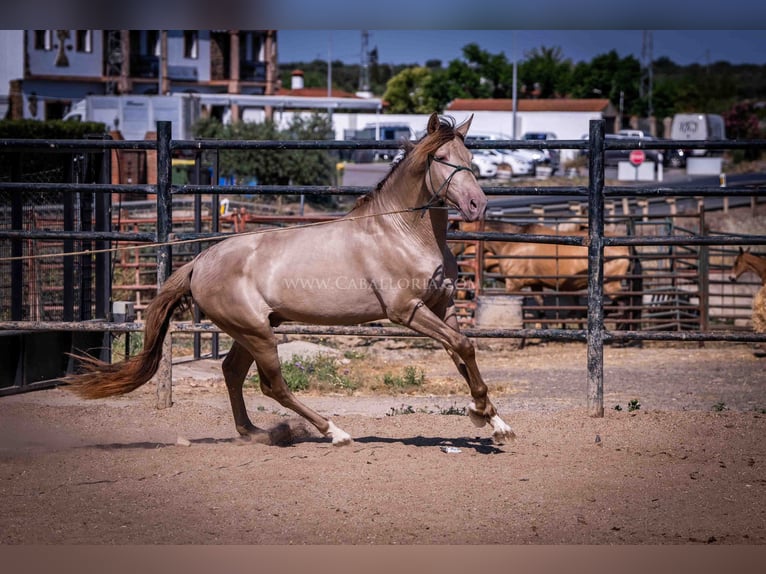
column 380, row 131
column 697, row 127
column 134, row 116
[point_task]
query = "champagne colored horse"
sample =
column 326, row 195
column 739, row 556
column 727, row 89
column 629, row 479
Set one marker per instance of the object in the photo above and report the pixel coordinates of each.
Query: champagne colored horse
column 387, row 258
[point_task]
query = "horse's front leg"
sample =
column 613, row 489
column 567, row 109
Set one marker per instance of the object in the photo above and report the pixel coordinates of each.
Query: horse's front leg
column 445, row 329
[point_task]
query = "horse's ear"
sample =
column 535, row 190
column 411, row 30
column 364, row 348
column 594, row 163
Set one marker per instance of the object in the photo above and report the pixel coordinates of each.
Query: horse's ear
column 433, row 123
column 741, row 251
column 462, row 129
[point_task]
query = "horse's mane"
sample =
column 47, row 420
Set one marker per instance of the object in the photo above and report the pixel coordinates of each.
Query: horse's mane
column 415, row 154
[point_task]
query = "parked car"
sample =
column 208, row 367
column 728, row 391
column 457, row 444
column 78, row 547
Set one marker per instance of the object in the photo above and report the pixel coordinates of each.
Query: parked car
column 549, row 157
column 519, row 163
column 483, row 164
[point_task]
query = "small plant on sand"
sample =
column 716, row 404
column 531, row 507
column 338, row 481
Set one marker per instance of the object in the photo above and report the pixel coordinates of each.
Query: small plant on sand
column 633, row 405
column 454, row 410
column 403, row 410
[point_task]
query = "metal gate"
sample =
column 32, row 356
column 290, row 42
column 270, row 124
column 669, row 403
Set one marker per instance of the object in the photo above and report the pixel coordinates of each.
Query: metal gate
column 596, row 193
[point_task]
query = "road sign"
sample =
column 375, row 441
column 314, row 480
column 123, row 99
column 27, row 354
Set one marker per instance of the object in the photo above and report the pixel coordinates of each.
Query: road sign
column 637, row 157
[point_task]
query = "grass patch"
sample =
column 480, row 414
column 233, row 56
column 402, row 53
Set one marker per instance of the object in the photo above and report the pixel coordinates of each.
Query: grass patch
column 411, row 378
column 320, row 373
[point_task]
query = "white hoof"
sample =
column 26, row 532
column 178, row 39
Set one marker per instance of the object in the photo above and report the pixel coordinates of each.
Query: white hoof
column 502, row 432
column 339, row 437
column 477, row 419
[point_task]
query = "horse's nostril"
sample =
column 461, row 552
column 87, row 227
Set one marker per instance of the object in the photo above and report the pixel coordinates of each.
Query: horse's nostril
column 474, row 206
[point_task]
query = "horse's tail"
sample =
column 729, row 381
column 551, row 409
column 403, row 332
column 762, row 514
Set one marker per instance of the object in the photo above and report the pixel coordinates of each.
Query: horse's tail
column 100, row 379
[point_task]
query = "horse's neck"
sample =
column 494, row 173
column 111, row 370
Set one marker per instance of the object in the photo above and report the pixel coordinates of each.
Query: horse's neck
column 403, row 190
column 401, row 198
column 757, row 265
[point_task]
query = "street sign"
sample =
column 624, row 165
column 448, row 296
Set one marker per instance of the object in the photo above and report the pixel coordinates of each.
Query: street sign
column 637, row 157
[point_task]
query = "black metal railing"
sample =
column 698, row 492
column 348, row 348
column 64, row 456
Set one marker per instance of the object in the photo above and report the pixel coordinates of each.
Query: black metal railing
column 595, row 194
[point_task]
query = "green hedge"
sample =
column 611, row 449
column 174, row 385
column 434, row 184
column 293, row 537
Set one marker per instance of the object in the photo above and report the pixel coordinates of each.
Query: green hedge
column 40, row 165
column 51, row 129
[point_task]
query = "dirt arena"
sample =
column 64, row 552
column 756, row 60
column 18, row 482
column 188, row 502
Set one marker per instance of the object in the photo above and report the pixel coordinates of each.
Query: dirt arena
column 688, row 466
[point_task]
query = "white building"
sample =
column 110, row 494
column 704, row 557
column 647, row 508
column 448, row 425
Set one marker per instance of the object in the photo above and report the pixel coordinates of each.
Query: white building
column 569, row 119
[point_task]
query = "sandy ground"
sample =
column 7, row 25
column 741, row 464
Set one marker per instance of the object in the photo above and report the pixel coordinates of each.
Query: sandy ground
column 687, row 467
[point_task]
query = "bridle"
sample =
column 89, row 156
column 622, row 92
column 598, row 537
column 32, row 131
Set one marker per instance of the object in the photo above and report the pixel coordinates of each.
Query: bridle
column 439, row 194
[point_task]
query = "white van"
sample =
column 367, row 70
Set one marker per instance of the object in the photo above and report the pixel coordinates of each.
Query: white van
column 697, row 127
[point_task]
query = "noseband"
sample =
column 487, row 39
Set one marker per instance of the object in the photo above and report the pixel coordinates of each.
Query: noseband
column 437, row 196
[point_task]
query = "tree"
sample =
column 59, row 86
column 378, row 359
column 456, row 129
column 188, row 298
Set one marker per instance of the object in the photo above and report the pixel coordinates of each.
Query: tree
column 275, row 167
column 408, row 92
column 545, row 73
column 742, row 123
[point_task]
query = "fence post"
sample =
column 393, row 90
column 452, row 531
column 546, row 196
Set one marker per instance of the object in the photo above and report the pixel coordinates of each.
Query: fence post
column 164, row 254
column 595, row 334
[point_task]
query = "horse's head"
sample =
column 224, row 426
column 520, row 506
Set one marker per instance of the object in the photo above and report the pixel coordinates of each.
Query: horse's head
column 449, row 176
column 739, row 266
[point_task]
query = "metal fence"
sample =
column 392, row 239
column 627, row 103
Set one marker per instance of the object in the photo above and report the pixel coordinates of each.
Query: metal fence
column 19, row 238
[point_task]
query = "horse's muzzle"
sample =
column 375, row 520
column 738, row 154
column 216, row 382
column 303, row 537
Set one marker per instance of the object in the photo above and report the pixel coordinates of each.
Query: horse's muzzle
column 472, row 209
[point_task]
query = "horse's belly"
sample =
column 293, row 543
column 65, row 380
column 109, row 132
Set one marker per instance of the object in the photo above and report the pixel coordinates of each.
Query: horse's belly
column 330, row 307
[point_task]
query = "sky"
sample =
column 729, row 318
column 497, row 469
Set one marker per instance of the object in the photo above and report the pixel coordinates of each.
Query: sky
column 684, row 47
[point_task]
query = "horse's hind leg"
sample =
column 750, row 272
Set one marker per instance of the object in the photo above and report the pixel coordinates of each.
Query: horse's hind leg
column 264, row 351
column 235, row 367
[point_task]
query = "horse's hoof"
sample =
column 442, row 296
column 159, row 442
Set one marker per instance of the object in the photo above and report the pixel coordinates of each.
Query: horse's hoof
column 339, row 437
column 342, row 441
column 478, row 419
column 503, row 436
column 503, row 433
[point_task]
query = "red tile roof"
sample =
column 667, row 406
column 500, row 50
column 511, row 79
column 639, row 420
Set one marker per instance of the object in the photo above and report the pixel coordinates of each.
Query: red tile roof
column 529, row 105
column 316, row 93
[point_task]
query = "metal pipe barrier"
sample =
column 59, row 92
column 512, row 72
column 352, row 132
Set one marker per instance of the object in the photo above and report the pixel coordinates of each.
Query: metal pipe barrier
column 595, row 193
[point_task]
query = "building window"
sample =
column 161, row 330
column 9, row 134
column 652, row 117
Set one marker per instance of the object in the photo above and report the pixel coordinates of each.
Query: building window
column 191, row 44
column 251, row 49
column 44, row 40
column 145, row 42
column 83, row 41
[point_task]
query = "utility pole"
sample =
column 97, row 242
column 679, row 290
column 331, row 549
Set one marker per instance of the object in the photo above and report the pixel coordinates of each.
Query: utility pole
column 647, row 76
column 364, row 69
column 515, row 92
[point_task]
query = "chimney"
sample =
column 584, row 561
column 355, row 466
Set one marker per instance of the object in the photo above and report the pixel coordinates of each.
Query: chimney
column 296, row 82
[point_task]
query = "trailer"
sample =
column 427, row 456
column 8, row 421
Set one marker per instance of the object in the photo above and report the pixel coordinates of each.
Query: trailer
column 135, row 116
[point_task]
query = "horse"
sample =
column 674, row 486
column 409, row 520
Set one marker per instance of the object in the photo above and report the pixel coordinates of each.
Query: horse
column 749, row 262
column 558, row 267
column 387, row 258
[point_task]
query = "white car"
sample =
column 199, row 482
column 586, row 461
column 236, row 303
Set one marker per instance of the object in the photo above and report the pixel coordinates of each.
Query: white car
column 483, row 164
column 521, row 158
column 520, row 163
